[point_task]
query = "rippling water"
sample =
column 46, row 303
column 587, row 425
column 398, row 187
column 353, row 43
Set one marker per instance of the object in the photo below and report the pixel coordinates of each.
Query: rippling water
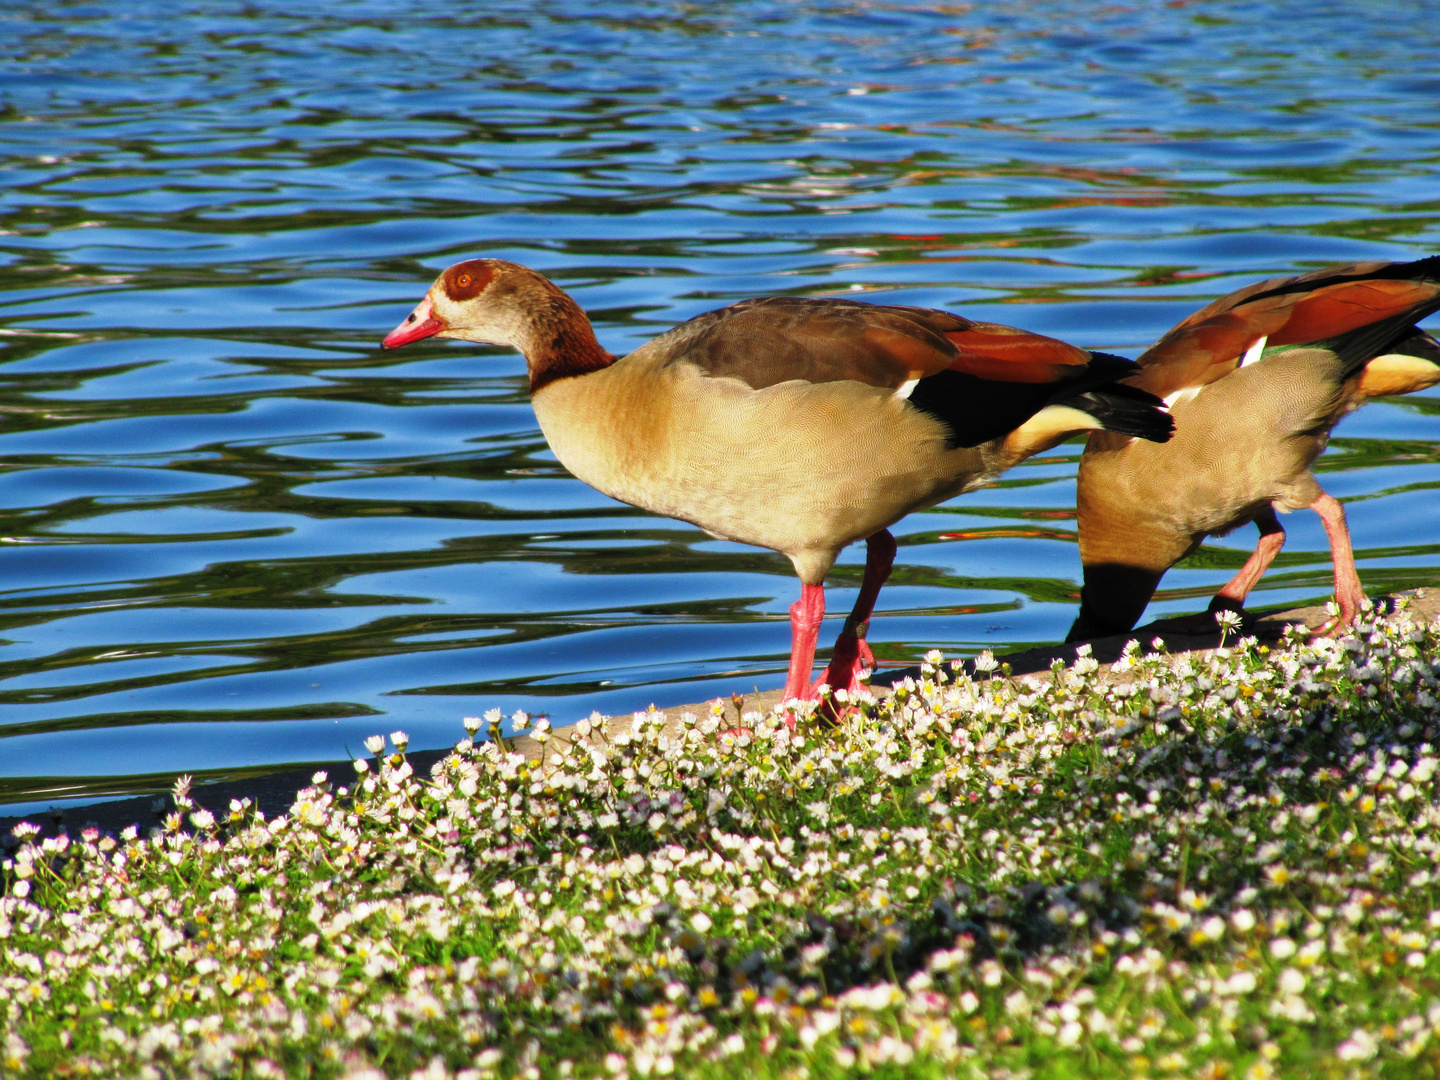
column 236, row 533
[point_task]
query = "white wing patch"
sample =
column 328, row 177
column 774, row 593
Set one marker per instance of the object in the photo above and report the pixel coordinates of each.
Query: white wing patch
column 1185, row 393
column 1179, row 397
column 906, row 388
column 1253, row 353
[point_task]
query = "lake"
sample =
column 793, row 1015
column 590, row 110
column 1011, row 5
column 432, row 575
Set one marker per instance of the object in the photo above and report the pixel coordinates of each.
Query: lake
column 236, row 533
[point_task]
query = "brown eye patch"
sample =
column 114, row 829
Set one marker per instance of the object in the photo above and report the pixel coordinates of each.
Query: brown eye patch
column 467, row 280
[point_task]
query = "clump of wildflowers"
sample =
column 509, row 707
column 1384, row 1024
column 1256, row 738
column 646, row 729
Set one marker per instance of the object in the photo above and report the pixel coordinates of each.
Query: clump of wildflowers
column 1165, row 866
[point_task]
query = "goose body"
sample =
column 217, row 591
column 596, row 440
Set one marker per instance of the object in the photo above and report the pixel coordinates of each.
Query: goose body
column 722, row 455
column 792, row 424
column 1256, row 381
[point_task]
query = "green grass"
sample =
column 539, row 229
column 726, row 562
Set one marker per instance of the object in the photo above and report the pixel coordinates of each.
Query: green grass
column 1188, row 866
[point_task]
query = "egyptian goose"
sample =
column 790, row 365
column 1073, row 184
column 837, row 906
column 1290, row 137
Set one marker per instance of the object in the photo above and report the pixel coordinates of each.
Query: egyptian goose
column 793, row 424
column 1255, row 383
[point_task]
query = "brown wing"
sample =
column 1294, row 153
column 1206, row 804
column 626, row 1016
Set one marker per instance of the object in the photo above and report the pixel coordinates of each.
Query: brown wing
column 1313, row 307
column 1005, row 354
column 774, row 340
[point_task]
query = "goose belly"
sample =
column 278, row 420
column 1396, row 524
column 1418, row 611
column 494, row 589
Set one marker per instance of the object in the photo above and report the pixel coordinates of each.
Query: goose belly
column 1241, row 443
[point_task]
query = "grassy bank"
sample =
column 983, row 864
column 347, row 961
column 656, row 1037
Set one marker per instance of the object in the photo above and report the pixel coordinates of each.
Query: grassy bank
column 1169, row 867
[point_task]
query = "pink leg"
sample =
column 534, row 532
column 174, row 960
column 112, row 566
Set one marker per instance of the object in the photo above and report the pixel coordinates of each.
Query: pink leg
column 851, row 652
column 1349, row 593
column 805, row 616
column 1272, row 539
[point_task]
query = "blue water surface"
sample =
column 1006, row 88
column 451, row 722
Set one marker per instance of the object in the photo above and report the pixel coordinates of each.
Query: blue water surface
column 236, row 533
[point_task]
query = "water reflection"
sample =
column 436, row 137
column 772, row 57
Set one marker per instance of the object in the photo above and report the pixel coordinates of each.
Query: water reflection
column 234, row 532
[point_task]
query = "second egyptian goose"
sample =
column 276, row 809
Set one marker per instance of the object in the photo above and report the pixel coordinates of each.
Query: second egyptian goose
column 793, row 424
column 1255, row 382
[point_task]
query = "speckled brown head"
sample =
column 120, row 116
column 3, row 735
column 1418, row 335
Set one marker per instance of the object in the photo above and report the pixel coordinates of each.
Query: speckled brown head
column 493, row 302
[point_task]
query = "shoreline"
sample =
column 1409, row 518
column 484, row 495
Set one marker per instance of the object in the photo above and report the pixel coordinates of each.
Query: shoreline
column 273, row 791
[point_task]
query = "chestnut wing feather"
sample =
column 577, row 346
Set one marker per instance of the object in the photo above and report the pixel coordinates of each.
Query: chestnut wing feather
column 1361, row 308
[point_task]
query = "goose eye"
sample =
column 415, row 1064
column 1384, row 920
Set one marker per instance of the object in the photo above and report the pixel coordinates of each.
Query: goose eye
column 463, row 281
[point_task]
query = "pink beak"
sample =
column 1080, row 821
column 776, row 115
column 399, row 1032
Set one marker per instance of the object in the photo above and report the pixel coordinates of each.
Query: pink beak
column 418, row 324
